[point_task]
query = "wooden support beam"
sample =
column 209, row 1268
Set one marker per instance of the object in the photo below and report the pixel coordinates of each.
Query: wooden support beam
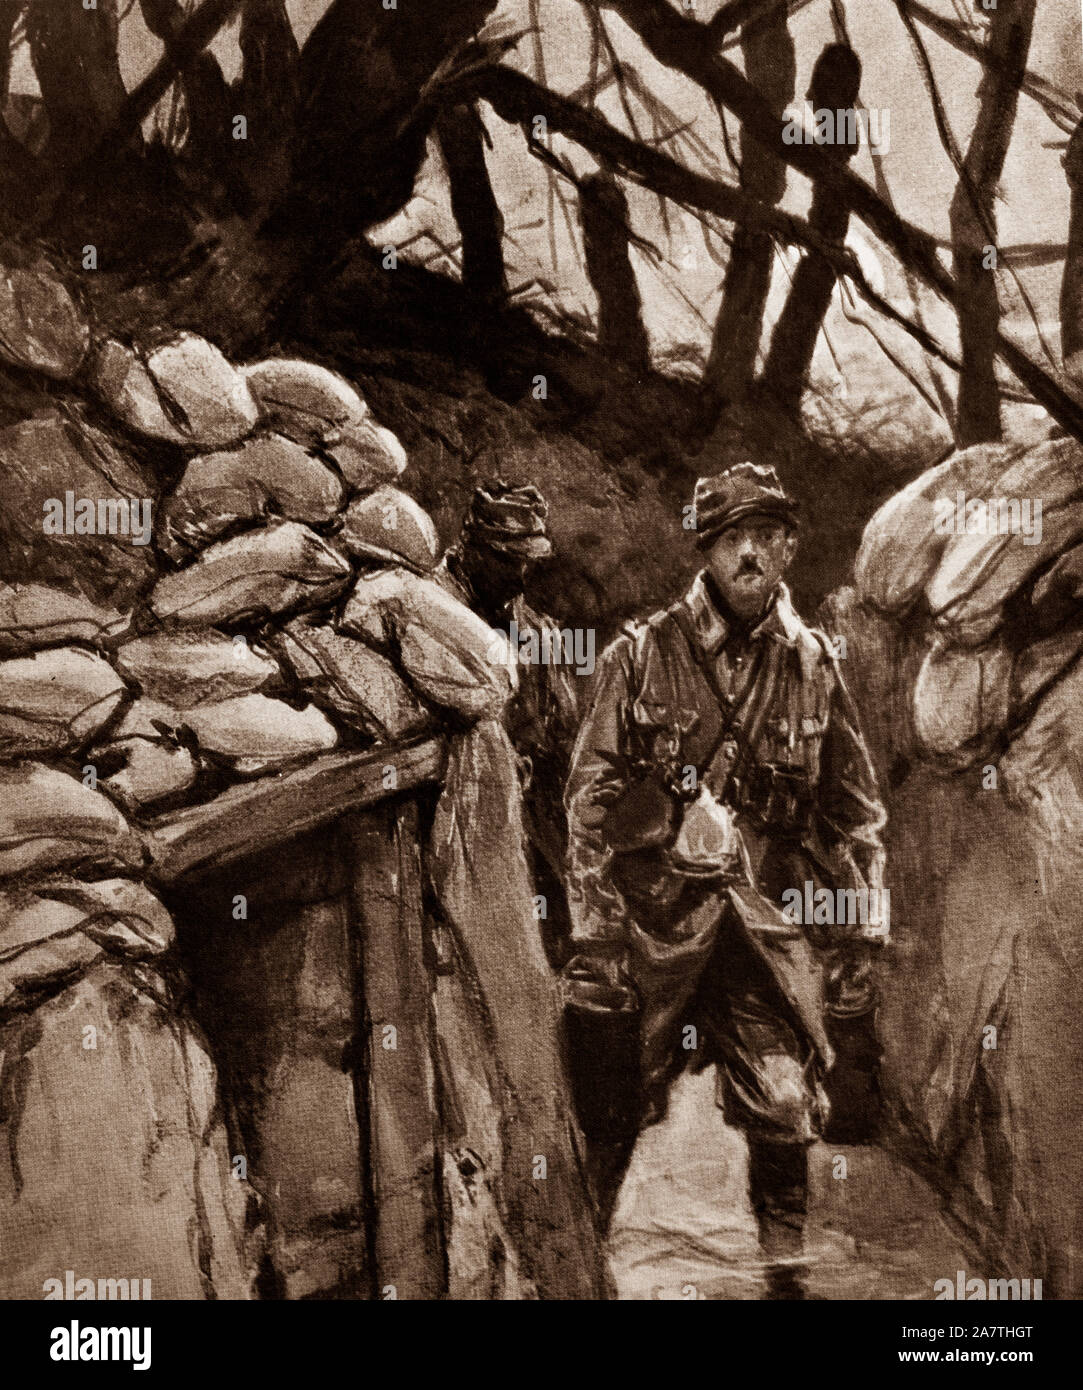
column 403, row 1148
column 260, row 815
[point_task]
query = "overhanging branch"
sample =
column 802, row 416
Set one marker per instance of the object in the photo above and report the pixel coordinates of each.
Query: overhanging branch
column 684, row 45
column 1052, row 101
column 518, row 99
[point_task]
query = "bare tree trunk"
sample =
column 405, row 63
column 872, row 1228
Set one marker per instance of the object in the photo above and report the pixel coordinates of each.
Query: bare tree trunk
column 973, row 219
column 208, row 107
column 74, row 54
column 363, row 71
column 9, row 13
column 462, row 142
column 1071, row 289
column 686, row 46
column 270, row 75
column 19, row 174
column 267, row 93
column 603, row 212
column 771, row 66
column 833, row 89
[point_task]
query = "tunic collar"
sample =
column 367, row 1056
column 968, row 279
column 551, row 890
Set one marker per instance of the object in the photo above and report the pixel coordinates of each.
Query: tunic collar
column 711, row 628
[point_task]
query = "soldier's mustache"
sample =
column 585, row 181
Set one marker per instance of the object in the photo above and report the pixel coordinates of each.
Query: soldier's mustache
column 750, row 566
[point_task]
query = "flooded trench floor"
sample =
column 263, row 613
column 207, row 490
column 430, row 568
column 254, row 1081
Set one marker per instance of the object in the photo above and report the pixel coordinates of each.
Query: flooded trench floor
column 683, row 1227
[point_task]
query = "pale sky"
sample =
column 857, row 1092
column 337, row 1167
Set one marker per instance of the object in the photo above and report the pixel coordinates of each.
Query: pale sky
column 681, row 301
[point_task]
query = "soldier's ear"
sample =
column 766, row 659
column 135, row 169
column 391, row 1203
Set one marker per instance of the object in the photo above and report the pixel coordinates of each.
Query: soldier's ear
column 791, row 548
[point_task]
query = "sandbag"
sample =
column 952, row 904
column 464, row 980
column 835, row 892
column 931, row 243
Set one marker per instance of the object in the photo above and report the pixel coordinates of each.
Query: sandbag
column 1058, row 593
column 448, row 654
column 1041, row 765
column 875, row 660
column 34, row 615
column 1042, row 662
column 252, row 733
column 256, row 734
column 368, row 454
column 356, row 683
column 303, row 401
column 961, row 702
column 41, row 327
column 55, row 700
column 51, row 820
column 154, row 770
column 189, row 666
column 268, row 474
column 900, row 546
column 65, row 924
column 388, row 524
column 44, row 460
column 116, row 1160
column 183, row 392
column 260, row 573
column 978, row 573
column 146, row 718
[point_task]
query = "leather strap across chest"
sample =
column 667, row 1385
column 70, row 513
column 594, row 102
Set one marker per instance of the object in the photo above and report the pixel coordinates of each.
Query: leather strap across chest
column 742, row 720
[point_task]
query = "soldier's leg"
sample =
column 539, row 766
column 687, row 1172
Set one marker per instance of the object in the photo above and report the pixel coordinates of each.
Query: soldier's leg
column 778, row 1190
column 603, row 1052
column 775, row 1091
column 768, row 1085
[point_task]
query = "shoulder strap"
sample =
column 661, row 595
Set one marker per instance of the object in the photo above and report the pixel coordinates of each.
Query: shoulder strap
column 744, row 719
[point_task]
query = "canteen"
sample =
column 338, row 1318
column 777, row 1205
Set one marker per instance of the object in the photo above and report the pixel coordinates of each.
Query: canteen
column 708, row 843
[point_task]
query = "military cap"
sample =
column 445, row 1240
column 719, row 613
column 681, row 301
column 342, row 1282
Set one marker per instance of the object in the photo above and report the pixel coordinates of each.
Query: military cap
column 746, row 489
column 510, row 519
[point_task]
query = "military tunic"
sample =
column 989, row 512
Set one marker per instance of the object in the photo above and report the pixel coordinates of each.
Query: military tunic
column 797, row 774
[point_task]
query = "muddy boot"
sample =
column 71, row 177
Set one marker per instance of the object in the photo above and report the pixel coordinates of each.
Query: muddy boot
column 778, row 1189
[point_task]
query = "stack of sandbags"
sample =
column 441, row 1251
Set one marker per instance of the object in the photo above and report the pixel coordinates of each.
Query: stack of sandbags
column 116, row 1160
column 979, row 573
column 402, row 651
column 316, row 445
column 977, row 565
column 256, row 527
column 260, row 534
column 210, row 684
column 141, row 666
column 155, row 744
column 986, row 869
column 902, row 544
column 400, row 648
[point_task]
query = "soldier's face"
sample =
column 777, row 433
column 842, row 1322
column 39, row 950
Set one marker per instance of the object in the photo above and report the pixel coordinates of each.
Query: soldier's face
column 497, row 577
column 748, row 559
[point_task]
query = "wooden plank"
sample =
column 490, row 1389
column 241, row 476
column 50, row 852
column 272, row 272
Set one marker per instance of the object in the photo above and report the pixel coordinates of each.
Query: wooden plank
column 259, row 815
column 403, row 1163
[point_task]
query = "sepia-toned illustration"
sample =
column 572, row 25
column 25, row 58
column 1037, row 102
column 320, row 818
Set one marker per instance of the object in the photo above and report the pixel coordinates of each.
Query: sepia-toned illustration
column 541, row 650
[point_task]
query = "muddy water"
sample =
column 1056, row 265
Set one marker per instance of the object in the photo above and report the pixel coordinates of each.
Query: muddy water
column 683, row 1227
